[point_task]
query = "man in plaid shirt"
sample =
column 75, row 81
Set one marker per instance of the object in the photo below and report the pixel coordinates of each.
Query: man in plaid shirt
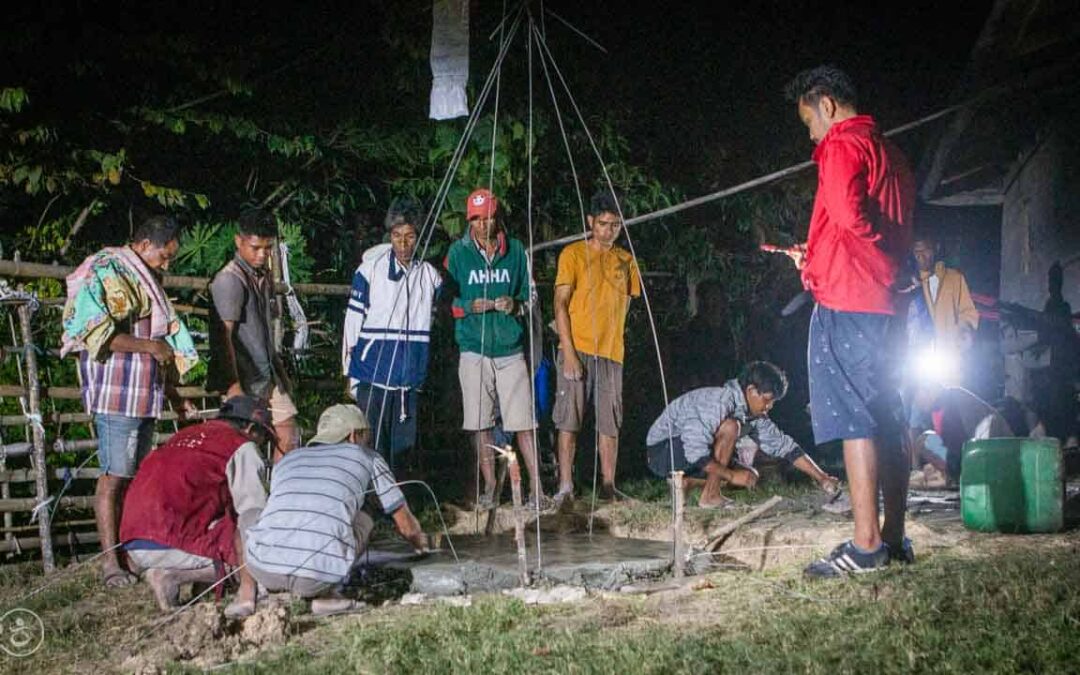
column 132, row 347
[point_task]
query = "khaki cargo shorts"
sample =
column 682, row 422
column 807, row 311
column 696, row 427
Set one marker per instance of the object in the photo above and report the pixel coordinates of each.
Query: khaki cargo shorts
column 601, row 382
column 489, row 384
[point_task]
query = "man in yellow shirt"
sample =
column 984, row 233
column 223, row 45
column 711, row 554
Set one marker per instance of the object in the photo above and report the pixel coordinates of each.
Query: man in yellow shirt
column 947, row 297
column 593, row 287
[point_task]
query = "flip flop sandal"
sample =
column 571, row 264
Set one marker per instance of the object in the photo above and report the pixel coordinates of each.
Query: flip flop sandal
column 563, row 497
column 727, row 503
column 336, row 607
column 118, row 578
column 239, row 610
column 545, row 504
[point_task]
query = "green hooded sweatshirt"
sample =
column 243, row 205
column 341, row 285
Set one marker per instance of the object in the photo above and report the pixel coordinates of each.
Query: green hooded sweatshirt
column 492, row 333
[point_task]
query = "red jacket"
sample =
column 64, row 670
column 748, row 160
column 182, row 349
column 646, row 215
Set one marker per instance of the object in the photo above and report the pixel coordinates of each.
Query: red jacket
column 181, row 489
column 860, row 229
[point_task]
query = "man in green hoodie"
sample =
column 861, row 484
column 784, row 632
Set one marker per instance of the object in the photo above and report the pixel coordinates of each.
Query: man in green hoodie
column 491, row 273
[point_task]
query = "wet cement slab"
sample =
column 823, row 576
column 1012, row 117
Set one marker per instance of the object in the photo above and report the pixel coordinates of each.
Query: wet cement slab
column 487, row 564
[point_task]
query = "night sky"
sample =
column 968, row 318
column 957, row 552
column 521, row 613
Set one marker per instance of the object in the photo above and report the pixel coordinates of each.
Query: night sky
column 699, row 85
column 695, row 87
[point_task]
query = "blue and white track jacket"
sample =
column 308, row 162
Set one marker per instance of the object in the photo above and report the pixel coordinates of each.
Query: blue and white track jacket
column 388, row 321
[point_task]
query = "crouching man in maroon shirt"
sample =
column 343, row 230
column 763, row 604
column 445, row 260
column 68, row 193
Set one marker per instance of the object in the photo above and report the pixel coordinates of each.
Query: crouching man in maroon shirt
column 193, row 498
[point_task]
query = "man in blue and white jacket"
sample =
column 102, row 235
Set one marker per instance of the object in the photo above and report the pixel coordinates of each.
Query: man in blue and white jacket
column 388, row 330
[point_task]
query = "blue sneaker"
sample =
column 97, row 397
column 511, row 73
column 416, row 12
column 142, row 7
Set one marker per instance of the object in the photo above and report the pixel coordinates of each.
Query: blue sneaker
column 903, row 553
column 847, row 559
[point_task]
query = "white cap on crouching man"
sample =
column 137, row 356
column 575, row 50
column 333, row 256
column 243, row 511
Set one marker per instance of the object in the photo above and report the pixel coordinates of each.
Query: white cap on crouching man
column 337, row 423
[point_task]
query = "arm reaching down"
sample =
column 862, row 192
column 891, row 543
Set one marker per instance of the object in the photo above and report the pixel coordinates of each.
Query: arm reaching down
column 409, row 528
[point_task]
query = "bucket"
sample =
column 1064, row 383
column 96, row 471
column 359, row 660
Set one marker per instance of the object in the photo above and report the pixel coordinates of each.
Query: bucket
column 1012, row 485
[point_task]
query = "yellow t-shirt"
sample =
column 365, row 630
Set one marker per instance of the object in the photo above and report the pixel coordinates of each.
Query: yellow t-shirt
column 602, row 283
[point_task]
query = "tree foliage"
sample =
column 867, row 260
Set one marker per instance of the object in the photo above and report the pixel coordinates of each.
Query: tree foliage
column 116, row 115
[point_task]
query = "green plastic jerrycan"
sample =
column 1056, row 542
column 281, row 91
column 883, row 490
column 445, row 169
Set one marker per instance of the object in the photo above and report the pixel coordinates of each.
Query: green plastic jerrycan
column 1012, row 485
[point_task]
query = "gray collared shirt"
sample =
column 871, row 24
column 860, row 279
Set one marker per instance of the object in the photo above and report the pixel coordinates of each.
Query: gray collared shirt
column 695, row 416
column 244, row 296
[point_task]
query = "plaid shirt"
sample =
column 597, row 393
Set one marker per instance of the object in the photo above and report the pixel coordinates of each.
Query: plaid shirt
column 125, row 383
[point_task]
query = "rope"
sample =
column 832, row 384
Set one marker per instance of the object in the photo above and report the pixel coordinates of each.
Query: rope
column 629, row 241
column 588, row 267
column 9, row 294
column 64, row 573
column 430, row 220
column 532, row 292
column 34, row 419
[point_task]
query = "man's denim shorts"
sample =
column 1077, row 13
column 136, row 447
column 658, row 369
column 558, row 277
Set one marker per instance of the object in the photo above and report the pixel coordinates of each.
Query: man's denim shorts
column 123, row 442
column 853, row 386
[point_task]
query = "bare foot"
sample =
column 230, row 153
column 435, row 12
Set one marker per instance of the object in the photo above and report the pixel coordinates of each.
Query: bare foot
column 166, row 590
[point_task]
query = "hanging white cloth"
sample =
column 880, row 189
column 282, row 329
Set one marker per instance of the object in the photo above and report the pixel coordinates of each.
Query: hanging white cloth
column 449, row 59
column 292, row 304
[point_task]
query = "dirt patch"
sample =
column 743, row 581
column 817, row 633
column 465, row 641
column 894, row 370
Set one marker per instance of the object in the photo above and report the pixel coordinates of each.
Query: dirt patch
column 203, row 637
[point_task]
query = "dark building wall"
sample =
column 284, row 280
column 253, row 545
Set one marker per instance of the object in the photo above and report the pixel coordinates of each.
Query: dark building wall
column 1041, row 222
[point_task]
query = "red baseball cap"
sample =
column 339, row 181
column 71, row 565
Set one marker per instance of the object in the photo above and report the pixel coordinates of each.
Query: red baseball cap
column 481, row 204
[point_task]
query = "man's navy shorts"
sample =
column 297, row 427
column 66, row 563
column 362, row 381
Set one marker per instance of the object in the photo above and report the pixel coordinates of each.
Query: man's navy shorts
column 853, row 390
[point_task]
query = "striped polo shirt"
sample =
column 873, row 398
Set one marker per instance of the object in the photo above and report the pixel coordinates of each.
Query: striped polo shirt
column 306, row 529
column 125, row 383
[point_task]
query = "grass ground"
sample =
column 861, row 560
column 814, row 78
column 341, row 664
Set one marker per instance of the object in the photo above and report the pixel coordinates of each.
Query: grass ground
column 996, row 603
column 1015, row 612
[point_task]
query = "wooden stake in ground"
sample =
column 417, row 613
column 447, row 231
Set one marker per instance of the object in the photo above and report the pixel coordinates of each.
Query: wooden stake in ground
column 514, row 470
column 679, row 564
column 717, row 538
column 492, row 514
column 33, row 411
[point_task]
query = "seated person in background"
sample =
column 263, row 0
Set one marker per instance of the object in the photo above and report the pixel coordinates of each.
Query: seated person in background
column 704, row 427
column 192, row 499
column 947, row 417
column 313, row 532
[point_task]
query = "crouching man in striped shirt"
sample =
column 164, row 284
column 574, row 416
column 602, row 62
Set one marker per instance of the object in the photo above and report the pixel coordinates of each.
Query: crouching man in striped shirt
column 313, row 529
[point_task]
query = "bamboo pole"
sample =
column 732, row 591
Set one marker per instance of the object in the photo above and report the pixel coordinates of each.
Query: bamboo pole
column 5, row 491
column 279, row 302
column 29, row 475
column 19, row 504
column 56, row 524
column 64, row 445
column 84, row 418
column 679, row 563
column 75, row 393
column 17, row 268
column 89, row 537
column 38, row 435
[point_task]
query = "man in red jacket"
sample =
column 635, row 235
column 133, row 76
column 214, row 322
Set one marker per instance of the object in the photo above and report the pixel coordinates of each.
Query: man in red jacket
column 860, row 231
column 191, row 500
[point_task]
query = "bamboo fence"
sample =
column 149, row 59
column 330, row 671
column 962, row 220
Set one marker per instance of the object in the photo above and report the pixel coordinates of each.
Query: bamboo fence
column 44, row 504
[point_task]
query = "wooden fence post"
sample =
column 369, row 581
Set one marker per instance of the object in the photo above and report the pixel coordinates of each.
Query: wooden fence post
column 679, row 563
column 33, row 392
